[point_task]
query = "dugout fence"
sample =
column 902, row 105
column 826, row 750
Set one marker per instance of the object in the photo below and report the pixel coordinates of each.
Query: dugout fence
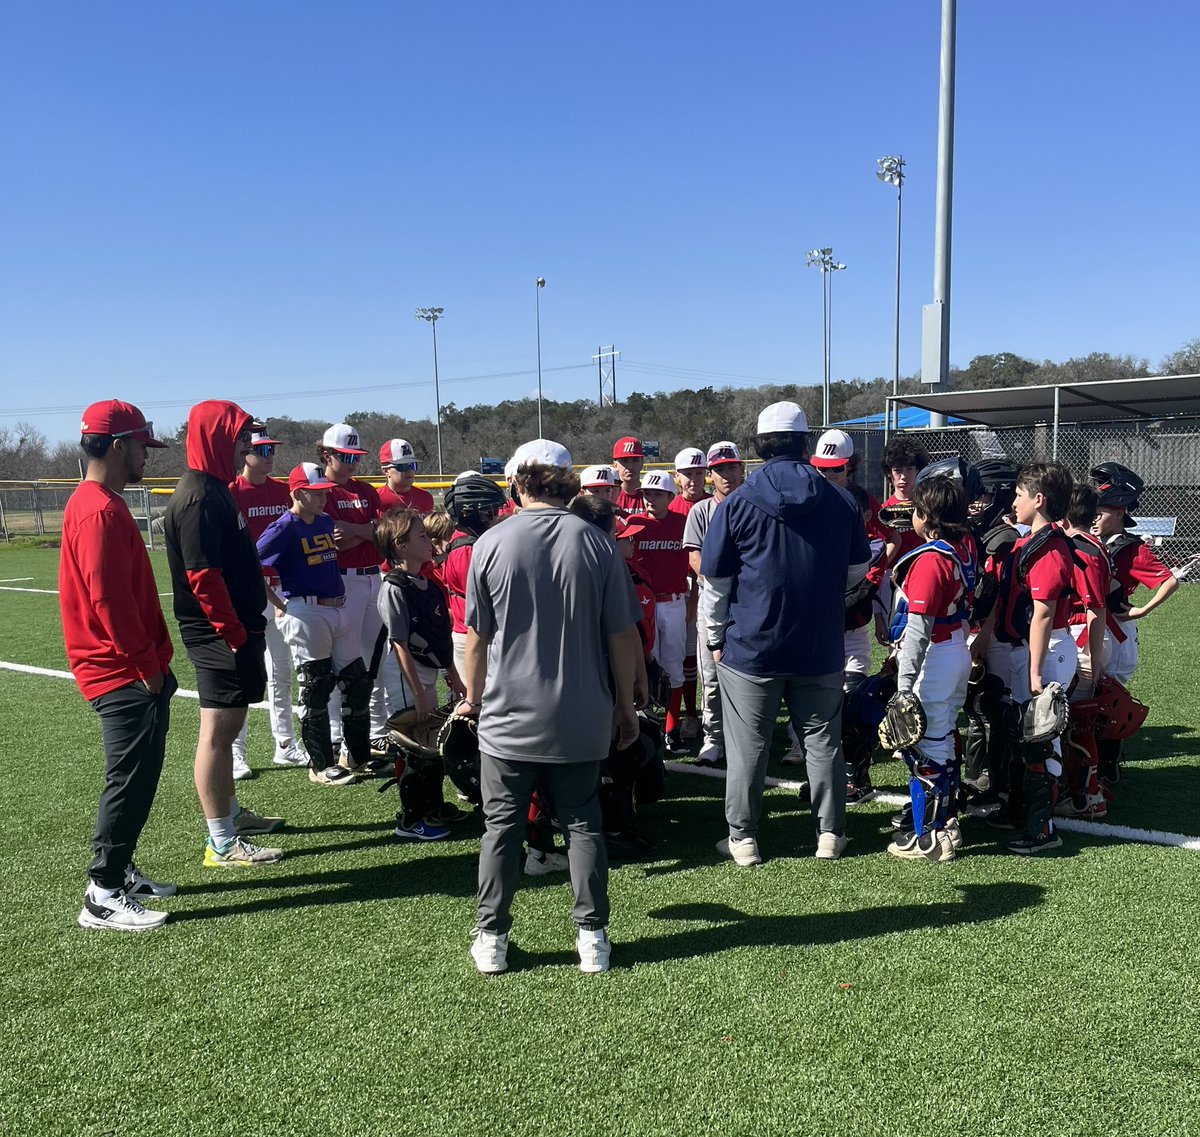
column 35, row 509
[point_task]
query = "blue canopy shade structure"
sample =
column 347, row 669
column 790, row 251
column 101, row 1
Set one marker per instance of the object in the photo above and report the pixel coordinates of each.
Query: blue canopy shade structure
column 911, row 418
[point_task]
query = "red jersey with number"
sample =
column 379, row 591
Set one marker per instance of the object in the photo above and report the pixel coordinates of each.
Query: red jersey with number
column 113, row 624
column 416, row 498
column 934, row 586
column 358, row 503
column 1139, row 564
column 661, row 557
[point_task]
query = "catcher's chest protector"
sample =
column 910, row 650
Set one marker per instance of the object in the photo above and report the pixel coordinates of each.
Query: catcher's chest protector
column 964, row 572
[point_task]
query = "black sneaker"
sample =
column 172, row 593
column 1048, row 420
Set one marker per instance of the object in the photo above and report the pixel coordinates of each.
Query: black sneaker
column 445, row 814
column 860, row 795
column 675, row 744
column 903, row 821
column 1025, row 846
column 1000, row 819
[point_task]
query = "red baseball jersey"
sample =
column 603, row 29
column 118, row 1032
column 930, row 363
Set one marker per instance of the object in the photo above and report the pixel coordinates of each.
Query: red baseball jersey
column 660, row 553
column 630, row 502
column 416, row 498
column 260, row 505
column 1139, row 564
column 358, row 503
column 934, row 586
column 1049, row 578
column 455, row 569
column 907, row 539
column 680, row 504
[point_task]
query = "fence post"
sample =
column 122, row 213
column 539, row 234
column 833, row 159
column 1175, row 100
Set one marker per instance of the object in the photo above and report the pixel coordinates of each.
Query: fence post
column 39, row 521
column 149, row 521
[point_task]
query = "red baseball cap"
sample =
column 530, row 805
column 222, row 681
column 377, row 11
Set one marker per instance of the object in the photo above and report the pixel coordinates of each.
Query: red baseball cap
column 628, row 448
column 309, row 476
column 119, row 420
column 629, row 527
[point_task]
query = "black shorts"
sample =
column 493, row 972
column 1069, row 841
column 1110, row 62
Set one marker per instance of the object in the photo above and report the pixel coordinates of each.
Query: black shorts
column 226, row 678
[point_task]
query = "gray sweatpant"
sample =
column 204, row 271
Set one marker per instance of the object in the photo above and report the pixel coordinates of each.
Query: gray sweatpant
column 573, row 792
column 711, row 715
column 750, row 705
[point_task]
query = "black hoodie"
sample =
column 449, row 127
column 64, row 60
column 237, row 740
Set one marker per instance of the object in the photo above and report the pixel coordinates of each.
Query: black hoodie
column 215, row 572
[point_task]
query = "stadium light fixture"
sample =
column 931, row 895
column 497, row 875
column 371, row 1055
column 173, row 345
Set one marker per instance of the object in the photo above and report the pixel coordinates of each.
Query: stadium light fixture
column 891, row 172
column 431, row 316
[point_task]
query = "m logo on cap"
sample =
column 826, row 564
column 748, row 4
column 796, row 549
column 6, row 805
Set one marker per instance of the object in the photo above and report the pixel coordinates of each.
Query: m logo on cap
column 629, row 448
column 829, row 448
column 351, row 438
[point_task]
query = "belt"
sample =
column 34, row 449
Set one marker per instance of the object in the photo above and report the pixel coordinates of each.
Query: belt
column 372, row 571
column 324, row 601
column 667, row 597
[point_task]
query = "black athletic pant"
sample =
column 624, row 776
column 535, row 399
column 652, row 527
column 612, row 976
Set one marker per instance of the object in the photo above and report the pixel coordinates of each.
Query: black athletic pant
column 133, row 727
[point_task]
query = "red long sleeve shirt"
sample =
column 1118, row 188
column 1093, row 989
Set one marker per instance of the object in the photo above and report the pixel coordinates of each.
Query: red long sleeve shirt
column 113, row 623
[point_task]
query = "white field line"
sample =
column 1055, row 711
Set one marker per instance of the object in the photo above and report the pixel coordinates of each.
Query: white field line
column 1068, row 824
column 45, row 591
column 16, row 580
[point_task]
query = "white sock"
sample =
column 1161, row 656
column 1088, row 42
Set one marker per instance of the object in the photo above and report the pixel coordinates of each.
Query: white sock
column 95, row 892
column 234, row 808
column 220, row 831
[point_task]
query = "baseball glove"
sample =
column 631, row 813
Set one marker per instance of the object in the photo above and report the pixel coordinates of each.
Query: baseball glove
column 897, row 517
column 1046, row 715
column 458, row 742
column 903, row 723
column 419, row 738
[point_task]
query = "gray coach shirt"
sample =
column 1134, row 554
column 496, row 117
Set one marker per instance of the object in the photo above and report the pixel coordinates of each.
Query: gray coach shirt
column 549, row 589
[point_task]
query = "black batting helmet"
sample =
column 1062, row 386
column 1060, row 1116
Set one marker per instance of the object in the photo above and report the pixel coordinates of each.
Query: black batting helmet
column 999, row 478
column 957, row 470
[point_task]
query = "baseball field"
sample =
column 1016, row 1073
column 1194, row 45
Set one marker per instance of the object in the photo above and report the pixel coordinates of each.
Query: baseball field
column 332, row 994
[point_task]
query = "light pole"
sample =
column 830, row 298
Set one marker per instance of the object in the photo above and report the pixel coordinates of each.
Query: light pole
column 537, row 308
column 891, row 171
column 823, row 259
column 432, row 315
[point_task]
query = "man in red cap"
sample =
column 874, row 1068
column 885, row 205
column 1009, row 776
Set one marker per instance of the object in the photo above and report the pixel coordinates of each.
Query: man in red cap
column 263, row 500
column 398, row 461
column 220, row 599
column 120, row 652
column 629, row 458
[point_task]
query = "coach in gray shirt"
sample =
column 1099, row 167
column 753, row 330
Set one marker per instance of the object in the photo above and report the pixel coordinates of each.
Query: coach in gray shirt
column 551, row 616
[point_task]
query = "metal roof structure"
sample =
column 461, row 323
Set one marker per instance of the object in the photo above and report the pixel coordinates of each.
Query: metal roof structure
column 1111, row 400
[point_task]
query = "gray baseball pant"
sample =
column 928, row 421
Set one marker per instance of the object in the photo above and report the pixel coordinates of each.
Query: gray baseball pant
column 574, row 793
column 750, row 705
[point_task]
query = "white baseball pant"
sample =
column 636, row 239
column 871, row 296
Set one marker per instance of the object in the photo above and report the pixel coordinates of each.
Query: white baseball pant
column 710, row 688
column 362, row 613
column 399, row 694
column 942, row 688
column 1123, row 661
column 858, row 656
column 670, row 630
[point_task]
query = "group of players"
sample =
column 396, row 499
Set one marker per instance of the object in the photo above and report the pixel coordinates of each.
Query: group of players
column 986, row 582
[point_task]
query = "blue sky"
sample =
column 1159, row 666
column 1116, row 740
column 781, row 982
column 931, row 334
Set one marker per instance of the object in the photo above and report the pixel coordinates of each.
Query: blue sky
column 247, row 200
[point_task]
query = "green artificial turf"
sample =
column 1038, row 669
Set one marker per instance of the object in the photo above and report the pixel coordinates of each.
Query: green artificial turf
column 331, row 994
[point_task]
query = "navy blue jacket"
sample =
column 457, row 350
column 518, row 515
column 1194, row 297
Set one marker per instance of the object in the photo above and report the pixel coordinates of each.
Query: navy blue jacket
column 786, row 538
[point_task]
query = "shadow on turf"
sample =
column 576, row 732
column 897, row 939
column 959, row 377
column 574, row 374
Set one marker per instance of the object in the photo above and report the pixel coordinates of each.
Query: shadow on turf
column 730, row 928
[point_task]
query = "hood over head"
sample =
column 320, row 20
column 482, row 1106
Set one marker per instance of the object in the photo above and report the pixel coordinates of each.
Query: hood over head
column 784, row 488
column 213, row 427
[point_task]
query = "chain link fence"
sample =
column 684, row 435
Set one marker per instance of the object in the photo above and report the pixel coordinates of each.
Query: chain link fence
column 35, row 509
column 1166, row 455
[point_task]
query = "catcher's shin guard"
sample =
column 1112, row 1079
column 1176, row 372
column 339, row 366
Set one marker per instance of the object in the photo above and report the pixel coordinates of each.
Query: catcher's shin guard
column 412, row 783
column 929, row 788
column 316, row 680
column 858, row 744
column 355, row 681
column 539, row 828
column 1039, row 788
column 975, row 748
column 1109, row 755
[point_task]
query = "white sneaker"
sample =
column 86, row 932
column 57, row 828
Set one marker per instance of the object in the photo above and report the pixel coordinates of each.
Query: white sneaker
column 830, row 846
column 490, row 952
column 594, row 950
column 241, row 768
column 743, row 851
column 289, row 755
column 117, row 914
column 689, row 728
column 539, row 864
column 710, row 754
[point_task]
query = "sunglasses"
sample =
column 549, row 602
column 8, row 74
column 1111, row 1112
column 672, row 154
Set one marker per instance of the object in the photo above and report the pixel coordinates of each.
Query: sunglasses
column 147, row 429
column 348, row 459
column 266, row 450
column 404, row 467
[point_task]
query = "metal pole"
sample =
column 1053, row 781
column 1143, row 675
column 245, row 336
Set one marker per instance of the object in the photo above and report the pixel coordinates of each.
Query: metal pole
column 437, row 396
column 541, row 283
column 945, row 193
column 896, row 367
column 1054, row 445
column 149, row 518
column 828, row 340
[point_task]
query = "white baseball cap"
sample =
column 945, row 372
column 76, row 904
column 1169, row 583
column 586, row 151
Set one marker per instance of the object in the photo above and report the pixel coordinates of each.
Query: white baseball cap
column 542, row 452
column 834, row 448
column 782, row 418
column 342, row 436
column 691, row 458
column 723, row 453
column 598, row 476
column 658, row 480
column 397, row 450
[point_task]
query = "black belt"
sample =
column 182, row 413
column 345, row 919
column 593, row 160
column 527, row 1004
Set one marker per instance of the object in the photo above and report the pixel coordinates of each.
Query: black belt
column 372, row 571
